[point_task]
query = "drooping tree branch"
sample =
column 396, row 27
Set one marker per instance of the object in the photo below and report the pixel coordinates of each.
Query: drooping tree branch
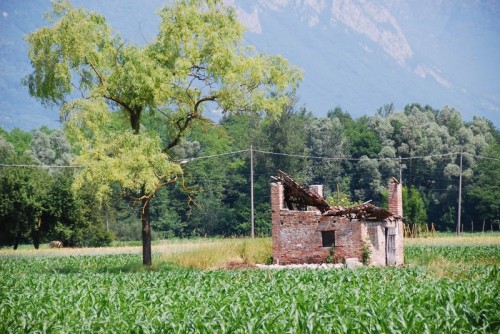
column 152, row 194
column 185, row 122
column 135, row 113
column 101, row 80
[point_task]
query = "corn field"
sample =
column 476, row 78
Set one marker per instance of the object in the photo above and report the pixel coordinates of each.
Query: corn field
column 469, row 254
column 112, row 294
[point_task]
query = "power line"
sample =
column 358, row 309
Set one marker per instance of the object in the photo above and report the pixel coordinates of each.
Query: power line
column 481, row 157
column 186, row 160
column 353, row 159
column 304, row 156
column 183, row 161
column 40, row 166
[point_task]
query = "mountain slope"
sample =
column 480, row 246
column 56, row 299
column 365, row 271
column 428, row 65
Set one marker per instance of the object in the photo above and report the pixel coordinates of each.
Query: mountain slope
column 362, row 54
column 358, row 54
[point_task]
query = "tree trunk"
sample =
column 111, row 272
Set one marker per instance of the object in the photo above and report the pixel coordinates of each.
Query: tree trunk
column 16, row 241
column 146, row 233
column 36, row 239
column 35, row 235
column 135, row 119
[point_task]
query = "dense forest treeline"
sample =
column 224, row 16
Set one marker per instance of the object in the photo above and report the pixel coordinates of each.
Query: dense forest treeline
column 352, row 158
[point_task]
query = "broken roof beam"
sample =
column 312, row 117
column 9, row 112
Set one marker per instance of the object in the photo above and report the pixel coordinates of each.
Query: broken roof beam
column 296, row 193
column 365, row 210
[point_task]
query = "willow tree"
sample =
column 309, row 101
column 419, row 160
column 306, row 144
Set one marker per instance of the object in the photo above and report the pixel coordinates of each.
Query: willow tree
column 107, row 88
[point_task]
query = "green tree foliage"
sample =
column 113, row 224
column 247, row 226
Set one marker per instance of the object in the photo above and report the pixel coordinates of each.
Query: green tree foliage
column 21, row 198
column 20, row 139
column 219, row 187
column 37, row 204
column 483, row 193
column 286, row 134
column 360, row 136
column 197, row 60
column 340, row 198
column 368, row 181
column 51, row 148
column 73, row 217
column 413, row 206
column 426, row 132
column 326, row 138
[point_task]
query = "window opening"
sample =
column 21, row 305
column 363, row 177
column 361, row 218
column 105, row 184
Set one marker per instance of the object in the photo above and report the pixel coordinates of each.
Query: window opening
column 328, row 238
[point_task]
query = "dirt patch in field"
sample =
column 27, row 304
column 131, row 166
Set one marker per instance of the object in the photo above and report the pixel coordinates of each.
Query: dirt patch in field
column 236, row 265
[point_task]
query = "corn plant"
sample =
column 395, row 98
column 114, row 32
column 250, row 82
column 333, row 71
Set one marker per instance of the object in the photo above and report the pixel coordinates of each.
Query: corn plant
column 110, row 294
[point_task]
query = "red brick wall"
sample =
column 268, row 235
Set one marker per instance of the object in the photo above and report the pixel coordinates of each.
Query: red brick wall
column 297, row 235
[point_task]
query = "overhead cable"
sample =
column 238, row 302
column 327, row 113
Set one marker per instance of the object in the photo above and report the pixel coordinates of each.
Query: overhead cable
column 40, row 166
column 353, row 159
column 186, row 160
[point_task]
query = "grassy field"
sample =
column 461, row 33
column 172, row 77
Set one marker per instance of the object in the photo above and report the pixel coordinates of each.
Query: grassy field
column 449, row 285
column 190, row 253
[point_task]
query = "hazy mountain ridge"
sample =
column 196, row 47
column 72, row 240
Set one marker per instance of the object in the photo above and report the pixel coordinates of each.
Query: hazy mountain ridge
column 395, row 27
column 366, row 18
column 355, row 54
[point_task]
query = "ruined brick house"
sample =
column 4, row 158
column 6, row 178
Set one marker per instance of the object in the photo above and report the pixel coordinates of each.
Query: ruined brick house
column 305, row 228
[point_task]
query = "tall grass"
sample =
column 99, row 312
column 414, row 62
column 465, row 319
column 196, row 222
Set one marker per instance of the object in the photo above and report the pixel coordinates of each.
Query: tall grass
column 451, row 239
column 221, row 253
column 190, row 253
column 446, row 255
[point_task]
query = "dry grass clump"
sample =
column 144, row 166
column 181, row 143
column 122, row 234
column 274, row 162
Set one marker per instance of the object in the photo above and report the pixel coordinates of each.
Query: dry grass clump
column 454, row 257
column 220, row 253
column 45, row 251
column 449, row 239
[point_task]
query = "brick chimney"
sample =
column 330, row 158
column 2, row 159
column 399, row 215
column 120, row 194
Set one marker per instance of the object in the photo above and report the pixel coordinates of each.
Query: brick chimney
column 318, row 189
column 395, row 198
column 277, row 198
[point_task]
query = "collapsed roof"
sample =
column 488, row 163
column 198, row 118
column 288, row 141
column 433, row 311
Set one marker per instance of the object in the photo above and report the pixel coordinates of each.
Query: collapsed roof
column 299, row 197
column 365, row 211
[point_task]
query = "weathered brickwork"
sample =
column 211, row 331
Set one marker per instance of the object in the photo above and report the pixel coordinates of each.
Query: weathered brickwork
column 298, row 235
column 377, row 234
column 395, row 198
column 396, row 208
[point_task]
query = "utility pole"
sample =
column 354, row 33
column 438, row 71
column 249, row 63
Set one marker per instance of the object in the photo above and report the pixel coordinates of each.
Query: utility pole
column 400, row 172
column 410, row 181
column 251, row 193
column 338, row 195
column 459, row 196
